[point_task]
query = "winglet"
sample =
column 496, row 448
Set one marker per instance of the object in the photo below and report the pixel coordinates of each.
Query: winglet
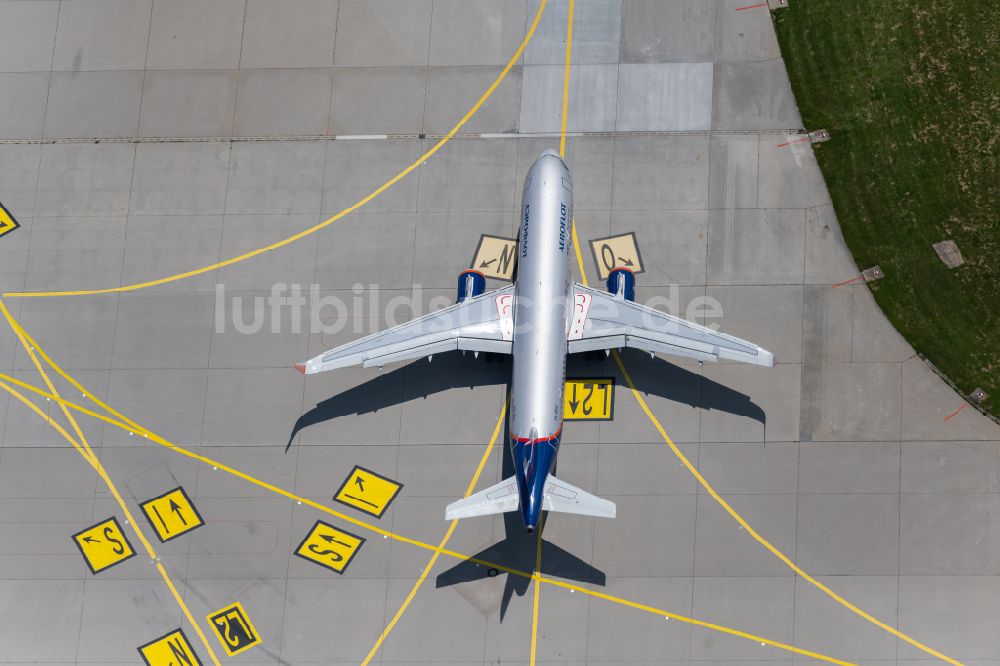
column 301, row 367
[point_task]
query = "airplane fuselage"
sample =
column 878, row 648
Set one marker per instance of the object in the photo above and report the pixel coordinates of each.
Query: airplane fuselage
column 542, row 307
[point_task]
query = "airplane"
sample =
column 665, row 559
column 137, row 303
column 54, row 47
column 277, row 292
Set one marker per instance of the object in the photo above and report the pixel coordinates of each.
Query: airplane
column 539, row 319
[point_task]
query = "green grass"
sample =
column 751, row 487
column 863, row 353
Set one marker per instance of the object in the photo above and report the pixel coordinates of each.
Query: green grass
column 911, row 93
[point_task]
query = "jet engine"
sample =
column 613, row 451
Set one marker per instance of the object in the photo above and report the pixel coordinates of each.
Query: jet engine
column 621, row 284
column 471, row 283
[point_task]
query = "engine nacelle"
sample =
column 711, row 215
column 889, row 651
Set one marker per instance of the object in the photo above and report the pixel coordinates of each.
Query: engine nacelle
column 621, row 284
column 471, row 283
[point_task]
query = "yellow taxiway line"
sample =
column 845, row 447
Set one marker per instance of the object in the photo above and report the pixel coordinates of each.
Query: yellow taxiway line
column 565, row 97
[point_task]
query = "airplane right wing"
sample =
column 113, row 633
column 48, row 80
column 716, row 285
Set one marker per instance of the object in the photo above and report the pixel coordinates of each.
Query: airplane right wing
column 603, row 321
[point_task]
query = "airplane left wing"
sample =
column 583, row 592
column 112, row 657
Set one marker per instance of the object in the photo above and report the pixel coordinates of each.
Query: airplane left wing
column 604, row 321
column 481, row 324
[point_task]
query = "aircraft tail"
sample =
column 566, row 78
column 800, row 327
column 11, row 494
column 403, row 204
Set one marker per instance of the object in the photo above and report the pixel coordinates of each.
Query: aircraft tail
column 559, row 497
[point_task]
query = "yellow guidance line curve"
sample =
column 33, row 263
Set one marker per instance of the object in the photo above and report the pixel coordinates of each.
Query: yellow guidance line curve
column 90, row 457
column 736, row 516
column 311, row 230
column 414, row 542
column 760, row 539
column 444, row 542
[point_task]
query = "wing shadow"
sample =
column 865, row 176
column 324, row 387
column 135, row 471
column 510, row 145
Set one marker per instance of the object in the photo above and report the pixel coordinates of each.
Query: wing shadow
column 418, row 379
column 659, row 377
column 422, row 378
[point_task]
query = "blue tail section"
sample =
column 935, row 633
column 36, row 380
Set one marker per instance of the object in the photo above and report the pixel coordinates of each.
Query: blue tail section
column 534, row 460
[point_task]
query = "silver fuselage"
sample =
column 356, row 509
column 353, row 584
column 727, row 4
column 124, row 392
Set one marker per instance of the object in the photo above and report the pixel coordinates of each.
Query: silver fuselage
column 542, row 300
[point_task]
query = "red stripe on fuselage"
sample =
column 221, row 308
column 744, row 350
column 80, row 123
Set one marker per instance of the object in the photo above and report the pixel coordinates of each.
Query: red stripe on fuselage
column 527, row 440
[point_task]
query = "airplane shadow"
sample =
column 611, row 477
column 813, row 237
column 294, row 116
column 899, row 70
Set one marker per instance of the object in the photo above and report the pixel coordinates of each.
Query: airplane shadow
column 422, row 378
column 517, row 550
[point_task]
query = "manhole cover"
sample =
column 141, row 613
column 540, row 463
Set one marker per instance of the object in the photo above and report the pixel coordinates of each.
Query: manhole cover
column 873, row 273
column 949, row 253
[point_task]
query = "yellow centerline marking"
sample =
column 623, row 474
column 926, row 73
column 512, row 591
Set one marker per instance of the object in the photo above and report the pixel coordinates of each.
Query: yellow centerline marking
column 735, row 515
column 579, row 257
column 88, row 455
column 447, row 536
column 311, row 230
column 537, row 578
column 378, row 530
column 565, row 98
column 699, row 623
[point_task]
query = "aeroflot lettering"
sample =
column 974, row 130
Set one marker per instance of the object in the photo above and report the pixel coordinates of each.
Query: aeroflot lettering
column 524, row 233
column 562, row 227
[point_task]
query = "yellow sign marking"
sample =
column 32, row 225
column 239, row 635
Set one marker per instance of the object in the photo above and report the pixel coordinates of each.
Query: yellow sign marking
column 174, row 649
column 616, row 252
column 172, row 514
column 496, row 257
column 103, row 545
column 367, row 491
column 589, row 399
column 7, row 221
column 233, row 627
column 329, row 546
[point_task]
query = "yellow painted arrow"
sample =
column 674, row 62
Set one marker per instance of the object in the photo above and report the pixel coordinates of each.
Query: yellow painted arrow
column 7, row 221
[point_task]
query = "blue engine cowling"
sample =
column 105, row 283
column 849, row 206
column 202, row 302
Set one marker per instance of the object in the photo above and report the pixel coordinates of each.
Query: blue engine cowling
column 471, row 283
column 621, row 284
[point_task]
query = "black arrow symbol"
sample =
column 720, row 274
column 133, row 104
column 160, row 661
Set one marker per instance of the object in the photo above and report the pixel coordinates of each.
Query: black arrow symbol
column 626, row 262
column 90, row 539
column 332, row 539
column 176, row 508
column 486, row 264
column 573, row 402
column 360, row 483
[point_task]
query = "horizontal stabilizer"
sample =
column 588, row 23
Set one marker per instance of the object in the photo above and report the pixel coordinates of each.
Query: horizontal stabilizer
column 563, row 497
column 500, row 498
